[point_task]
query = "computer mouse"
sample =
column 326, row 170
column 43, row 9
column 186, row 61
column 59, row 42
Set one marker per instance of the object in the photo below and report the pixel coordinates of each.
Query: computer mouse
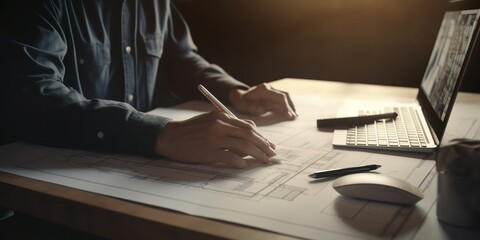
column 378, row 187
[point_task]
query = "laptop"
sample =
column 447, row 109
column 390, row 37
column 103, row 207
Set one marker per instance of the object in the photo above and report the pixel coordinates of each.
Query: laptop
column 420, row 127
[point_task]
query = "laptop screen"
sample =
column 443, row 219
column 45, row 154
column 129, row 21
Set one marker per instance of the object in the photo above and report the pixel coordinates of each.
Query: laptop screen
column 446, row 67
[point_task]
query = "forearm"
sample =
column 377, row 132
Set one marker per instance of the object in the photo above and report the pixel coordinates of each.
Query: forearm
column 48, row 112
column 38, row 106
column 185, row 68
column 184, row 82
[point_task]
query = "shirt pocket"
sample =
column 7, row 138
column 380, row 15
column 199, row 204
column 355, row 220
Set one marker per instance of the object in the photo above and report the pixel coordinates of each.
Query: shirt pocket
column 93, row 60
column 153, row 52
column 153, row 44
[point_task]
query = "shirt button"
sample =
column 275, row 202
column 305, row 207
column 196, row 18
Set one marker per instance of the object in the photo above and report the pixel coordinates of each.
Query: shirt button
column 130, row 98
column 81, row 61
column 100, row 135
column 128, row 49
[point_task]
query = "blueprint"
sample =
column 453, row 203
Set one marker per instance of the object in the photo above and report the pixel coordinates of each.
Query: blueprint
column 278, row 197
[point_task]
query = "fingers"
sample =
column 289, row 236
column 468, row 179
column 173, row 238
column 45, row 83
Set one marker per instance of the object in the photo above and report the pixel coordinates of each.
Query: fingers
column 249, row 143
column 262, row 99
column 282, row 103
column 232, row 159
column 249, row 124
column 289, row 100
column 213, row 137
column 244, row 139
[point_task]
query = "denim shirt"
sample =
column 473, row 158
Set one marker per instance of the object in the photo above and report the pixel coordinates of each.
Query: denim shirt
column 82, row 74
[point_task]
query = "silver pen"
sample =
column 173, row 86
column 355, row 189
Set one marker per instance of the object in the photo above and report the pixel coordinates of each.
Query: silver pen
column 219, row 105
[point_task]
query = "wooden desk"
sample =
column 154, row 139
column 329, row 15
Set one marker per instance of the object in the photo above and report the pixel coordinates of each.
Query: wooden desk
column 115, row 218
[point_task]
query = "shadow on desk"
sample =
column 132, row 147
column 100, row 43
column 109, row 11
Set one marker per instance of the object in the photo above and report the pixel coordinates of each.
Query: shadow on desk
column 423, row 155
column 348, row 209
column 22, row 226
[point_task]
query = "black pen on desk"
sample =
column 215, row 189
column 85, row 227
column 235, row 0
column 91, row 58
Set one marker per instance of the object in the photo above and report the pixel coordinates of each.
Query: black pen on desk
column 352, row 121
column 219, row 105
column 343, row 171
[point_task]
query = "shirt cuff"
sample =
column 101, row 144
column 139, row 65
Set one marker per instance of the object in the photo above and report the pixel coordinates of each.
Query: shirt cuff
column 143, row 131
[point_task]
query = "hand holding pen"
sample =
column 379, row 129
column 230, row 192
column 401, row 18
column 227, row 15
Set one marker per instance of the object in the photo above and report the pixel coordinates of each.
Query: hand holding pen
column 212, row 138
column 224, row 109
column 215, row 137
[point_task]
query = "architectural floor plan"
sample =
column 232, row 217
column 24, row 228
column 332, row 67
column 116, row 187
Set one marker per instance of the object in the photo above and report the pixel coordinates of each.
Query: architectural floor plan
column 278, row 197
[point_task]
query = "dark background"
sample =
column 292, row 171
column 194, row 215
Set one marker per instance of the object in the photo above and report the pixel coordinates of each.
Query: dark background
column 362, row 41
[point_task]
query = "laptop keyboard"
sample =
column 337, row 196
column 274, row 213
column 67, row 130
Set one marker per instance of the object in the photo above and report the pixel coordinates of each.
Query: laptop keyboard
column 404, row 131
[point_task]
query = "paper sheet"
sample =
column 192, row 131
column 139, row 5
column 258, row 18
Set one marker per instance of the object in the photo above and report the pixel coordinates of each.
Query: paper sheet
column 280, row 197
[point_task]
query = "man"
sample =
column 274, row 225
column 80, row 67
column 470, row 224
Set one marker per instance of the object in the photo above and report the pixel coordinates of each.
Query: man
column 82, row 74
